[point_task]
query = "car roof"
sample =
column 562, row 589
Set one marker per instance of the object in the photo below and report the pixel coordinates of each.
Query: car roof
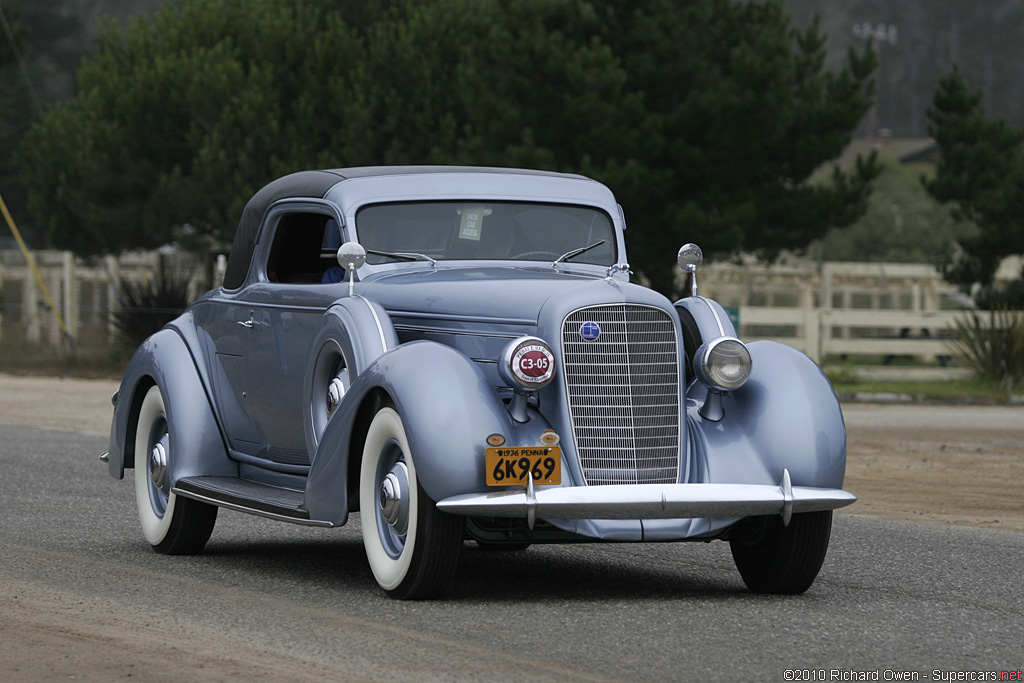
column 315, row 185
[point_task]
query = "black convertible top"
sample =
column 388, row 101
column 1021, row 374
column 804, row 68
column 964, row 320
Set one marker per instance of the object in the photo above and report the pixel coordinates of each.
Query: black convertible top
column 314, row 185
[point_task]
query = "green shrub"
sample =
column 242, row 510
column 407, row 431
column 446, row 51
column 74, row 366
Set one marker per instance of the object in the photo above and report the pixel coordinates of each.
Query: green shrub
column 146, row 306
column 994, row 350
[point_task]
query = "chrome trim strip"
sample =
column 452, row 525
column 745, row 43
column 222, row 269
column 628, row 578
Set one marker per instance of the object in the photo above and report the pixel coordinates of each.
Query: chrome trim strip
column 251, row 511
column 647, row 501
column 463, row 318
column 376, row 319
column 721, row 328
column 444, row 330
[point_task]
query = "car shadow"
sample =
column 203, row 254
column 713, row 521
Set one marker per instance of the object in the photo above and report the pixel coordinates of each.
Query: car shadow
column 538, row 574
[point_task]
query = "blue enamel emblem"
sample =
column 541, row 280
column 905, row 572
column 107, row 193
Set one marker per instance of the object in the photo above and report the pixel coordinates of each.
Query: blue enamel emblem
column 590, row 331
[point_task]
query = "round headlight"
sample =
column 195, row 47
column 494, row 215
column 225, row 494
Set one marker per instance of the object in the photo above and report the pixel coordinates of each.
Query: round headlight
column 723, row 364
column 528, row 362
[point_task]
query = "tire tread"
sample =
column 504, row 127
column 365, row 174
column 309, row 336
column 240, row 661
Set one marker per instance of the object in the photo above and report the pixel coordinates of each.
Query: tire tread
column 789, row 559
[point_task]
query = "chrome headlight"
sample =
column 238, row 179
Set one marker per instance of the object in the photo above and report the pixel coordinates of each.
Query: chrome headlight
column 722, row 364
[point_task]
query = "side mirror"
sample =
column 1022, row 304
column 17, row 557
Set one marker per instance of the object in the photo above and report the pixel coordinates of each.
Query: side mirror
column 351, row 257
column 690, row 259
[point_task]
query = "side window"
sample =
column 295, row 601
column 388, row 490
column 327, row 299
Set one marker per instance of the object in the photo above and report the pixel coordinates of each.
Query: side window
column 304, row 249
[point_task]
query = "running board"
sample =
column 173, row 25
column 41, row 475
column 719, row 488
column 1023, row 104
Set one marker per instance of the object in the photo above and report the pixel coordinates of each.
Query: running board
column 254, row 498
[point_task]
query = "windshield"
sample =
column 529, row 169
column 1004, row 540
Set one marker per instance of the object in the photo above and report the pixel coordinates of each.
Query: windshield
column 515, row 231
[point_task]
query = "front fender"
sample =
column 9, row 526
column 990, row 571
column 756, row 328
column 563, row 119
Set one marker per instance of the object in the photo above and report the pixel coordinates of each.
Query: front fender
column 786, row 416
column 164, row 359
column 448, row 408
column 708, row 316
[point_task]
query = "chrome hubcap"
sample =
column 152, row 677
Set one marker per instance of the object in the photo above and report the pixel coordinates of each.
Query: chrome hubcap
column 394, row 499
column 158, row 463
column 335, row 392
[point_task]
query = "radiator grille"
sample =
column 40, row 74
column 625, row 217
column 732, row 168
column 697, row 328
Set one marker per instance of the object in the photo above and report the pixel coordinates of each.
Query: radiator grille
column 623, row 393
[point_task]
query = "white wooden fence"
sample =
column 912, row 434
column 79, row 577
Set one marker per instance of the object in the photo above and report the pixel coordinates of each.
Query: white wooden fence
column 839, row 309
column 85, row 292
column 827, row 309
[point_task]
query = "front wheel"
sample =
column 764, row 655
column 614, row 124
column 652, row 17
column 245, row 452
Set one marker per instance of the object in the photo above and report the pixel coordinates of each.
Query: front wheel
column 773, row 558
column 412, row 547
column 172, row 525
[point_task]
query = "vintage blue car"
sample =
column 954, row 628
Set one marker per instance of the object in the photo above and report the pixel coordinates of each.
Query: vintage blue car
column 458, row 354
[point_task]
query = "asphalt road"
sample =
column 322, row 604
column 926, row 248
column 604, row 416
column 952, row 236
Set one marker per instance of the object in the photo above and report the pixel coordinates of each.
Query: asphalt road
column 82, row 595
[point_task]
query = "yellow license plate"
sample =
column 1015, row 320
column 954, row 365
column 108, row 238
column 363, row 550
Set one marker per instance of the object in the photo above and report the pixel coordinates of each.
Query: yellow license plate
column 509, row 466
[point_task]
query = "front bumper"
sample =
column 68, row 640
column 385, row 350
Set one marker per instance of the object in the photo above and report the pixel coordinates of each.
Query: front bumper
column 649, row 501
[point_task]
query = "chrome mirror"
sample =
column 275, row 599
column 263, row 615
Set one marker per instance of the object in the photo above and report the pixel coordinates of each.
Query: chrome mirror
column 690, row 259
column 351, row 257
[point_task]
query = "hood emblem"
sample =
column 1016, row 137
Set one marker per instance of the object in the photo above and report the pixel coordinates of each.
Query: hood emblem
column 590, row 331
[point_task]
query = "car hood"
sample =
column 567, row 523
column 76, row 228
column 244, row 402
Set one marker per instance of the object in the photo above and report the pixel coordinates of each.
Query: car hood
column 498, row 295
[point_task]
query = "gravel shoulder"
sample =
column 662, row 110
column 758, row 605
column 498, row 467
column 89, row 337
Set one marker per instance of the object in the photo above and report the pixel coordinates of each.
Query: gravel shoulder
column 961, row 465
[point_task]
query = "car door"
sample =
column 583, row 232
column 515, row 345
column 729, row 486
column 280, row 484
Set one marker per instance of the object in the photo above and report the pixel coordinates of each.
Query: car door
column 299, row 244
column 223, row 324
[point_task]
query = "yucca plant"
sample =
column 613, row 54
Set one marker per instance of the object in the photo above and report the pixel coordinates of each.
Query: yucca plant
column 146, row 306
column 994, row 350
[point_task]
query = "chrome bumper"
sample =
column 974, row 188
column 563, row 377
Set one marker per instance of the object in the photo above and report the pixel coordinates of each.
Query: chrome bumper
column 649, row 501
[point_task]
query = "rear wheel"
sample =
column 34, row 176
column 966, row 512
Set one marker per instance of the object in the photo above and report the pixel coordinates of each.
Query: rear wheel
column 172, row 525
column 329, row 378
column 411, row 546
column 773, row 558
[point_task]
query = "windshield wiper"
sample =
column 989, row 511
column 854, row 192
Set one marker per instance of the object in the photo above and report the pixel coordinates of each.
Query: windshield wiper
column 404, row 256
column 575, row 252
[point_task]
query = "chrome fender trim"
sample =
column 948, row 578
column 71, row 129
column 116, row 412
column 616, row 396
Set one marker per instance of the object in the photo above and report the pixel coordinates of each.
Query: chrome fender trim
column 650, row 501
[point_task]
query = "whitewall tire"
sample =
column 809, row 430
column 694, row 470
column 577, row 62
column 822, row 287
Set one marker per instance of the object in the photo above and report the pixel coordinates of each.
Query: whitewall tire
column 172, row 525
column 411, row 546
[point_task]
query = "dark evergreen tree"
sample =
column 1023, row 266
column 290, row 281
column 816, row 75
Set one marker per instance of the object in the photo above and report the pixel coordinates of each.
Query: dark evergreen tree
column 706, row 118
column 982, row 171
column 738, row 112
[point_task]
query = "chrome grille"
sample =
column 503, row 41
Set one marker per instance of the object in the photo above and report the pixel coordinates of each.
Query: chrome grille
column 623, row 392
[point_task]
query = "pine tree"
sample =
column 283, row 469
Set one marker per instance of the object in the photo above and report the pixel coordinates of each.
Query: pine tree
column 982, row 172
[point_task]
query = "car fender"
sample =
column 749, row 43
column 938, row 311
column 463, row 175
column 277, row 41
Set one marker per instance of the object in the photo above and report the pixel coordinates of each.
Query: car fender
column 164, row 359
column 363, row 331
column 710, row 318
column 786, row 417
column 448, row 408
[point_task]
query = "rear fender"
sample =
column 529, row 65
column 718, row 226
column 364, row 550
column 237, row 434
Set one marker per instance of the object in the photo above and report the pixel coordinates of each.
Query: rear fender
column 164, row 359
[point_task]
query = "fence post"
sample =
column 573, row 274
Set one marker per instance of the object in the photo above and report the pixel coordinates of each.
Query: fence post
column 824, row 308
column 812, row 325
column 70, row 299
column 30, row 307
column 113, row 268
column 57, row 295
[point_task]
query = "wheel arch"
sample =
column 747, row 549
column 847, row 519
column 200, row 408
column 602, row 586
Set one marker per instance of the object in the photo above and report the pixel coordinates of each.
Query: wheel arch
column 448, row 436
column 164, row 360
column 362, row 331
column 142, row 387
